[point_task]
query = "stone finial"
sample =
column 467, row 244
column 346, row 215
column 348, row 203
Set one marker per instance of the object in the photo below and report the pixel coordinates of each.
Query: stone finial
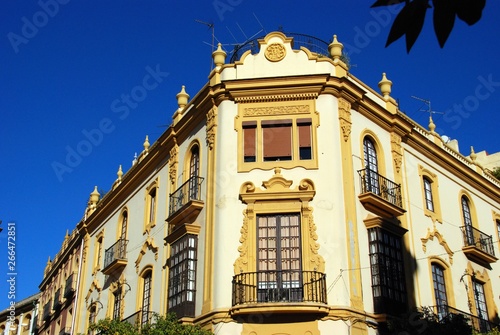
column 335, row 48
column 385, row 86
column 135, row 159
column 119, row 174
column 182, row 98
column 219, row 56
column 94, row 197
column 473, row 155
column 432, row 126
column 146, row 144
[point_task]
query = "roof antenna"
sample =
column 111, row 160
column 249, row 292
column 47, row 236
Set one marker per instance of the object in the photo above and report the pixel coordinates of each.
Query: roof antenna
column 210, row 26
column 429, row 110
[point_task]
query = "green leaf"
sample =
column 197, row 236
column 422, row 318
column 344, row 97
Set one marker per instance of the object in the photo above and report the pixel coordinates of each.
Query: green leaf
column 399, row 26
column 444, row 19
column 418, row 10
column 470, row 11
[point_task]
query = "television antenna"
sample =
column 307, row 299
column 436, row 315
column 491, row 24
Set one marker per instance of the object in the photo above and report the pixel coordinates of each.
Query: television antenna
column 429, row 109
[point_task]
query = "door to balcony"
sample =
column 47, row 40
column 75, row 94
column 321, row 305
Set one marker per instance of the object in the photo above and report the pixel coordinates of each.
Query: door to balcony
column 279, row 275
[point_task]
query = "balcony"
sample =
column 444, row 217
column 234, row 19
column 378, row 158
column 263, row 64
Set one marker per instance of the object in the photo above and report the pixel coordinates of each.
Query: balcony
column 69, row 288
column 478, row 246
column 47, row 310
column 65, row 331
column 185, row 202
column 479, row 324
column 139, row 318
column 380, row 195
column 115, row 257
column 57, row 300
column 285, row 291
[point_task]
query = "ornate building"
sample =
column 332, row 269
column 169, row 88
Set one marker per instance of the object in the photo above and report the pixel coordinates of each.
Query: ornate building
column 289, row 197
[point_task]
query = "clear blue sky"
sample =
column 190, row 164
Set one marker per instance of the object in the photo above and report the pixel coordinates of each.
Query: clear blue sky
column 65, row 70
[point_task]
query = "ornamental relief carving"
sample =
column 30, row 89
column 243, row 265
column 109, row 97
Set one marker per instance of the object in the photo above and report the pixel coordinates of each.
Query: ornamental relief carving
column 275, row 52
column 345, row 118
column 441, row 240
column 276, row 110
column 211, row 125
column 173, row 161
column 396, row 151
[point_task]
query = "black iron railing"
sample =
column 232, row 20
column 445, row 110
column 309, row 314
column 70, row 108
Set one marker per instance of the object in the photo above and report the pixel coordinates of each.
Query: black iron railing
column 190, row 190
column 312, row 43
column 116, row 251
column 69, row 288
column 475, row 237
column 373, row 182
column 479, row 324
column 279, row 286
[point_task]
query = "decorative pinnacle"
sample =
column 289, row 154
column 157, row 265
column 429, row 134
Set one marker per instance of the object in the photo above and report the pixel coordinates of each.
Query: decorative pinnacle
column 473, row 155
column 119, row 173
column 219, row 55
column 335, row 48
column 432, row 126
column 94, row 196
column 146, row 144
column 385, row 86
column 182, row 97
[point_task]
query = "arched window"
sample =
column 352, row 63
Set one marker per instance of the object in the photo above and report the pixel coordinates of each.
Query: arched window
column 146, row 297
column 466, row 213
column 194, row 172
column 371, row 166
column 440, row 294
column 429, row 202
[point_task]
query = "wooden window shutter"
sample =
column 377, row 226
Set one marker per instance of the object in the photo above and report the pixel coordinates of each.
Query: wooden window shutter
column 277, row 138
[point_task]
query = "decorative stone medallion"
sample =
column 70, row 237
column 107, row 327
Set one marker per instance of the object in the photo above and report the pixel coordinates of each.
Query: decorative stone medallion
column 275, row 52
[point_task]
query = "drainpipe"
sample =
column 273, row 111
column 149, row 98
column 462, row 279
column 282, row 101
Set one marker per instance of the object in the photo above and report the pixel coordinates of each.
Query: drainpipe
column 77, row 288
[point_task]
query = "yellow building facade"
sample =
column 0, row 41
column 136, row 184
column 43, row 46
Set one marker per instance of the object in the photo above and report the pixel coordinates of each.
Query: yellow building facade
column 288, row 197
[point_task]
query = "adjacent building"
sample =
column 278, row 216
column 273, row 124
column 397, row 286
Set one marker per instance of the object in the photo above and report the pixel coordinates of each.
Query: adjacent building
column 58, row 289
column 286, row 197
column 20, row 317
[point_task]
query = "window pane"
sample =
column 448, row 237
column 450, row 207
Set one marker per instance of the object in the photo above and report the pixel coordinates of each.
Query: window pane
column 428, row 195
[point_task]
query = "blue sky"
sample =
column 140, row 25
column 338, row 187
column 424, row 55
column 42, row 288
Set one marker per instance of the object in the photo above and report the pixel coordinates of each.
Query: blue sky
column 68, row 66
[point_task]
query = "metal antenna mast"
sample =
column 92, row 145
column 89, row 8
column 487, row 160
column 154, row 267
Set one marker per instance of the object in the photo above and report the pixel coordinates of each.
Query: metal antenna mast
column 428, row 103
column 210, row 26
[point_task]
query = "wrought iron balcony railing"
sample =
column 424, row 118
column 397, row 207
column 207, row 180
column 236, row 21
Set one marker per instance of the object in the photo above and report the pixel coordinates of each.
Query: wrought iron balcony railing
column 69, row 288
column 479, row 324
column 190, row 190
column 476, row 238
column 117, row 251
column 279, row 286
column 372, row 182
